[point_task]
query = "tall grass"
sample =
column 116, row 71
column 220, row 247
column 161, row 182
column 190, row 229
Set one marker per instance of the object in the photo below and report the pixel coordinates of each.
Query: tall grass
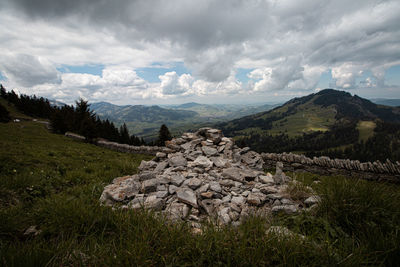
column 55, row 183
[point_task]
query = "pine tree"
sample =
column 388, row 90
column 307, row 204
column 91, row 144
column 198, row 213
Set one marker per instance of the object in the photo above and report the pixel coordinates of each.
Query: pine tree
column 163, row 135
column 3, row 92
column 124, row 134
column 4, row 114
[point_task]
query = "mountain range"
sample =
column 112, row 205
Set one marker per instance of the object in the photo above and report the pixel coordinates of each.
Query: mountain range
column 315, row 112
column 329, row 122
column 145, row 121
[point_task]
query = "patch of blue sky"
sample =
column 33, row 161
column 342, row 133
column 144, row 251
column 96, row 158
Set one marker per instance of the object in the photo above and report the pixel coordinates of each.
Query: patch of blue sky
column 2, row 77
column 241, row 74
column 151, row 74
column 89, row 69
column 361, row 80
column 325, row 81
column 392, row 75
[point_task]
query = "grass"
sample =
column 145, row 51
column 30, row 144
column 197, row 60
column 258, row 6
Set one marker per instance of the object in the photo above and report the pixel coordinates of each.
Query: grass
column 365, row 129
column 54, row 183
column 309, row 118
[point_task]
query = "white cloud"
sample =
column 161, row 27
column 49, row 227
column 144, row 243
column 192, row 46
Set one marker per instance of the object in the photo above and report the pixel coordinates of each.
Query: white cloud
column 287, row 43
column 172, row 84
column 27, row 70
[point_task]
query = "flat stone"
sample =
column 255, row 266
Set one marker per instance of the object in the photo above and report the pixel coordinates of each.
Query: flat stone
column 253, row 199
column 177, row 210
column 226, row 199
column 187, row 196
column 161, row 155
column 233, row 173
column 147, row 165
column 161, row 166
column 215, row 186
column 274, row 196
column 162, row 194
column 203, row 188
column 219, row 162
column 122, row 190
column 203, row 162
column 209, row 151
column 153, row 202
column 266, row 179
column 177, row 161
column 312, row 200
column 207, row 205
column 207, row 194
column 288, row 209
column 177, row 179
column 194, row 183
column 162, row 187
column 268, row 190
column 149, row 186
column 187, row 146
column 147, row 176
column 239, row 200
column 172, row 189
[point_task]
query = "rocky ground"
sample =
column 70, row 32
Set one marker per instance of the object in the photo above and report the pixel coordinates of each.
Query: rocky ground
column 204, row 176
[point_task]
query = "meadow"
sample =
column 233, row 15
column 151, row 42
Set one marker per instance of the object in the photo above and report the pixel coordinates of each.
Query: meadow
column 54, row 183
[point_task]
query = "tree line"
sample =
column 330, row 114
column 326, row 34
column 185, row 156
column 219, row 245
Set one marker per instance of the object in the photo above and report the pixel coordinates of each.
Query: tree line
column 341, row 141
column 79, row 119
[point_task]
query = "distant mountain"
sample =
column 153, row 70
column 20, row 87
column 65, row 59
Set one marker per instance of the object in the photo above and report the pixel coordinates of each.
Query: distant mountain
column 223, row 111
column 330, row 122
column 145, row 121
column 56, row 103
column 387, row 102
column 315, row 112
column 139, row 113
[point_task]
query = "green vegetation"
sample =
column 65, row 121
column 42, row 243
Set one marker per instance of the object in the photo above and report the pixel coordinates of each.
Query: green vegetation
column 146, row 120
column 329, row 123
column 54, row 183
column 366, row 130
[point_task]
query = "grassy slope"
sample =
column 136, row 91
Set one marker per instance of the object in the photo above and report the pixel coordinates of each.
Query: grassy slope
column 13, row 111
column 308, row 118
column 366, row 129
column 55, row 183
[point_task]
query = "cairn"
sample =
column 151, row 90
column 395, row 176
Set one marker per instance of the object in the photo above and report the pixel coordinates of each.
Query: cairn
column 203, row 176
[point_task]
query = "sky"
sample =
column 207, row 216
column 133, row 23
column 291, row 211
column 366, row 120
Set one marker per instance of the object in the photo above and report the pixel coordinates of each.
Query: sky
column 177, row 51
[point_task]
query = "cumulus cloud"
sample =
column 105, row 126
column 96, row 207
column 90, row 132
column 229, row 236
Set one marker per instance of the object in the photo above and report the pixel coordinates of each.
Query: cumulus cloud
column 288, row 44
column 172, row 84
column 27, row 70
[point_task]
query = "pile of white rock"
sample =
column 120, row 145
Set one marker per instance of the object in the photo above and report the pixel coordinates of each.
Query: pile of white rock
column 204, row 176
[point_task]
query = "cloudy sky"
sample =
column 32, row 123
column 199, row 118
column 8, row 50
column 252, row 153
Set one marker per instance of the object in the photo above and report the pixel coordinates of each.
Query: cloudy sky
column 176, row 51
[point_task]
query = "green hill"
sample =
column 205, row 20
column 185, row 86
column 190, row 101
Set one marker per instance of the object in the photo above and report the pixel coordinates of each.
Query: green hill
column 51, row 185
column 315, row 112
column 145, row 121
column 329, row 122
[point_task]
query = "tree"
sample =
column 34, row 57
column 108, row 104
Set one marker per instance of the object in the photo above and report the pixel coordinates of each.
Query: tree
column 163, row 135
column 124, row 134
column 3, row 91
column 4, row 114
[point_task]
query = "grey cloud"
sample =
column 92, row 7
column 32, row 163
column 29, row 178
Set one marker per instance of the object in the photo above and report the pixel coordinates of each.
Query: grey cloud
column 27, row 70
column 213, row 37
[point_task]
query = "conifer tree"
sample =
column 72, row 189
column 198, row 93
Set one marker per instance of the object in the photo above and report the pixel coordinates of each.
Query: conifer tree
column 163, row 135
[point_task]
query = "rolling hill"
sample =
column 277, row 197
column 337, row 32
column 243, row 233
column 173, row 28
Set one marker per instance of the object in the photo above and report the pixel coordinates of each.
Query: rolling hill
column 145, row 121
column 315, row 112
column 329, row 122
column 387, row 102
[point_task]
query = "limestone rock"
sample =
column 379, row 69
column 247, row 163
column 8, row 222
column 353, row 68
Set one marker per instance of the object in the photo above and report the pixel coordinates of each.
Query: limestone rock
column 187, row 196
column 312, row 200
column 204, row 176
column 177, row 161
